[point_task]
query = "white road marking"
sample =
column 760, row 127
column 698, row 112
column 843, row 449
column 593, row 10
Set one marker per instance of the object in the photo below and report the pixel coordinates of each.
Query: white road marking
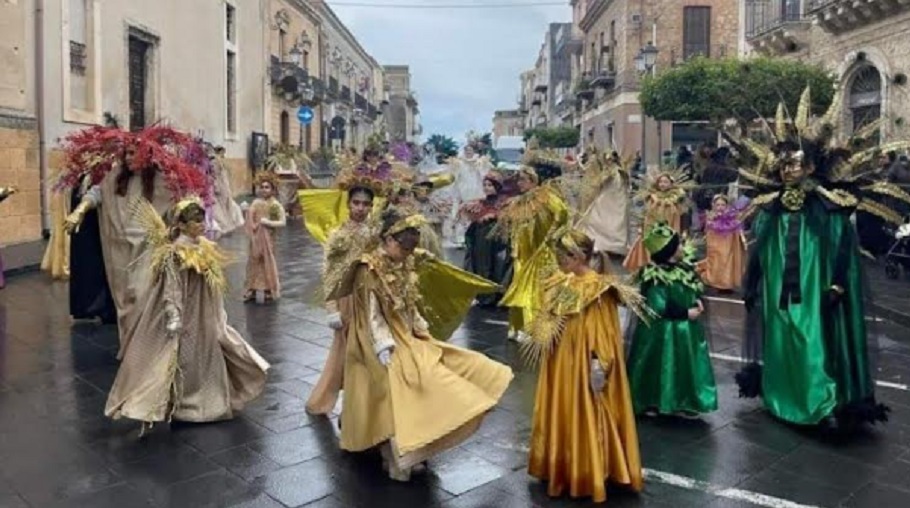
column 716, row 490
column 883, row 384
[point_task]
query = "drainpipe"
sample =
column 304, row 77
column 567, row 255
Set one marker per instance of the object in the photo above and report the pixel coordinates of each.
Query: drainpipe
column 39, row 113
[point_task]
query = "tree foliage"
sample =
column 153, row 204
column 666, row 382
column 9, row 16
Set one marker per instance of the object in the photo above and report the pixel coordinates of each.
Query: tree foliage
column 554, row 137
column 445, row 146
column 717, row 90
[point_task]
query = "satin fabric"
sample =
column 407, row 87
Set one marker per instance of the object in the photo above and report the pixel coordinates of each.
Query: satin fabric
column 431, row 396
column 669, row 361
column 580, row 440
column 487, row 256
column 815, row 354
column 56, row 261
column 725, row 260
column 532, row 258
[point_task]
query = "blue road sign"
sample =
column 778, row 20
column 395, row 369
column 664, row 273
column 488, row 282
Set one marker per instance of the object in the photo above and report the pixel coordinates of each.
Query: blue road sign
column 305, row 115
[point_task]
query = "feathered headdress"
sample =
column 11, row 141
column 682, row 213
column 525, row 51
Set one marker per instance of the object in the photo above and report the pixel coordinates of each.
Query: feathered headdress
column 841, row 168
column 548, row 164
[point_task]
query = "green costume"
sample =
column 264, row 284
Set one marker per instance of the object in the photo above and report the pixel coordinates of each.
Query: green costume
column 669, row 363
column 803, row 288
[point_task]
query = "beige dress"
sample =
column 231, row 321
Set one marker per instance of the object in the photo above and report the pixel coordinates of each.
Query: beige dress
column 263, row 218
column 606, row 219
column 123, row 242
column 205, row 371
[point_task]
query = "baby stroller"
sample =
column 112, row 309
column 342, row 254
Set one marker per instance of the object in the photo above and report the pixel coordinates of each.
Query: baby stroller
column 897, row 258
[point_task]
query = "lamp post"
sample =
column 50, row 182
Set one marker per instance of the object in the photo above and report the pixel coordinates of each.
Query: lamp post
column 645, row 62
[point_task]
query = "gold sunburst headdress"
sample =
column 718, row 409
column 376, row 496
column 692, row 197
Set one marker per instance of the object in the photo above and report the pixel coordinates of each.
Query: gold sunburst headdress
column 840, row 167
column 266, row 176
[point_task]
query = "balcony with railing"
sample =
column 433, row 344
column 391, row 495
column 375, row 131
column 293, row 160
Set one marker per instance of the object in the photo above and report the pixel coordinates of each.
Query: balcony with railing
column 839, row 16
column 776, row 26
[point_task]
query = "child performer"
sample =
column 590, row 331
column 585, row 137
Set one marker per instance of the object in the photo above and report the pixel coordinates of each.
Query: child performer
column 665, row 199
column 486, row 254
column 584, row 432
column 725, row 261
column 263, row 218
column 669, row 363
column 183, row 361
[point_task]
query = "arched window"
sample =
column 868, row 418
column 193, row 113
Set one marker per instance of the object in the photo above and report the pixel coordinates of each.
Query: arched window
column 865, row 99
column 285, row 133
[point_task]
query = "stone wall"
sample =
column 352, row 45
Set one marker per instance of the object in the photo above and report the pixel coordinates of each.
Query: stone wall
column 20, row 215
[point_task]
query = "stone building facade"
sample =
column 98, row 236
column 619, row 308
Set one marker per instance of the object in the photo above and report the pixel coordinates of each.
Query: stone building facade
column 295, row 32
column 354, row 84
column 20, row 215
column 402, row 122
column 614, row 31
column 864, row 44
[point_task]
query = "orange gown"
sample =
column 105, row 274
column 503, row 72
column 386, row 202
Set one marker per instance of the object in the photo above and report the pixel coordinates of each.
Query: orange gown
column 725, row 260
column 580, row 440
column 667, row 208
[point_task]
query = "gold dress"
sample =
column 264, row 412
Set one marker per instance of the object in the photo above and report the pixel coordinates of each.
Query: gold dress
column 529, row 218
column 581, row 440
column 661, row 206
column 203, row 372
column 264, row 217
column 350, row 240
column 432, row 396
column 56, row 261
column 725, row 260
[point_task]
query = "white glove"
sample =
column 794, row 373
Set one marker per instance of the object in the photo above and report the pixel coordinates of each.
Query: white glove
column 334, row 321
column 598, row 376
column 385, row 357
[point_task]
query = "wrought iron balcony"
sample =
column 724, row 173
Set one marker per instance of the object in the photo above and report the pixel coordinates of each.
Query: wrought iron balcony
column 776, row 26
column 839, row 16
column 604, row 79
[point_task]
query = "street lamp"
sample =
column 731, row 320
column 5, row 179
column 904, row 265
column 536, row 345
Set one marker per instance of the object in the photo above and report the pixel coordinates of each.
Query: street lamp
column 645, row 62
column 295, row 55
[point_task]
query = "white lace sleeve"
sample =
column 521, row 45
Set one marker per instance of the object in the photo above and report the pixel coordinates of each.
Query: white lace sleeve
column 382, row 335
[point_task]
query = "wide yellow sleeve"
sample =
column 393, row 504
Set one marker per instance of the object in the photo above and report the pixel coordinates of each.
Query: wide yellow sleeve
column 447, row 293
column 324, row 210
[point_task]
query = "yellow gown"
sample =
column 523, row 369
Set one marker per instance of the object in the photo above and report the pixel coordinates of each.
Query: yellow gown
column 56, row 260
column 581, row 440
column 529, row 218
column 432, row 396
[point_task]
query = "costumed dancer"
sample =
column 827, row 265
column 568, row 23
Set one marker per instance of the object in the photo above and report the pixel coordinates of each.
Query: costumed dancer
column 431, row 203
column 665, row 198
column 527, row 219
column 605, row 201
column 227, row 216
column 669, row 361
column 405, row 391
column 121, row 166
column 90, row 294
column 584, row 432
column 264, row 216
column 184, row 362
column 804, row 283
column 343, row 246
column 5, row 192
column 486, row 254
column 469, row 172
column 725, row 260
column 56, row 260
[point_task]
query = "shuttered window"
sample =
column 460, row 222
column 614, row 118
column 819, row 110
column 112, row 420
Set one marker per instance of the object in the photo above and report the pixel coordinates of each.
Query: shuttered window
column 696, row 31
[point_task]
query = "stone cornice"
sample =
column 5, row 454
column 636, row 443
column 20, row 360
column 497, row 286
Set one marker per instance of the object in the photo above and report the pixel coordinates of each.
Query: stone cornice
column 336, row 23
column 594, row 12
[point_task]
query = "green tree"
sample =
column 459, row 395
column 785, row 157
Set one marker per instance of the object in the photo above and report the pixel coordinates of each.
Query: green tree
column 554, row 137
column 718, row 90
column 445, row 146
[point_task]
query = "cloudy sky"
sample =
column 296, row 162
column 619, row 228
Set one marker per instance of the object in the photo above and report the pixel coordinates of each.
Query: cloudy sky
column 465, row 63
